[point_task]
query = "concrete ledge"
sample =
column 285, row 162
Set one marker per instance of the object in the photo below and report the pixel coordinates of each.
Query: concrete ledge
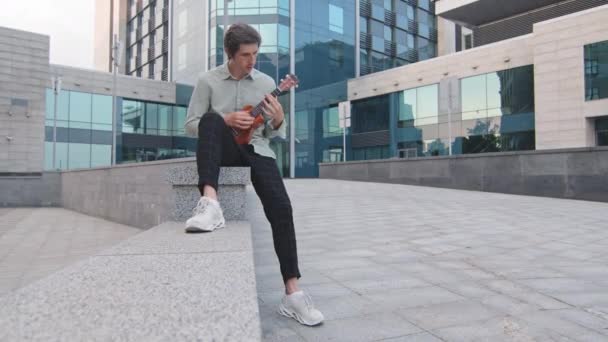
column 232, row 191
column 146, row 194
column 159, row 285
column 580, row 173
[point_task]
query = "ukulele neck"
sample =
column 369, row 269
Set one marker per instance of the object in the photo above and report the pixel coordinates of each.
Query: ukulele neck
column 257, row 110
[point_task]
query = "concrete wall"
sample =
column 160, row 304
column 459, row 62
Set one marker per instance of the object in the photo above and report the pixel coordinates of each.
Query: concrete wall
column 24, row 65
column 573, row 173
column 135, row 194
column 34, row 190
column 146, row 194
column 556, row 50
column 561, row 109
column 98, row 82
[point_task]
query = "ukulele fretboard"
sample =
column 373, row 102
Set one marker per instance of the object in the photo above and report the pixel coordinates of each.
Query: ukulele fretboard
column 259, row 109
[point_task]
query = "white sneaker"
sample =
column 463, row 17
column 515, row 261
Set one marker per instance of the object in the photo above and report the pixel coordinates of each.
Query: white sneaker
column 206, row 217
column 299, row 306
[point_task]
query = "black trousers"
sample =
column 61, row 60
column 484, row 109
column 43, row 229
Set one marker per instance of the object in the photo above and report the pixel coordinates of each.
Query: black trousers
column 217, row 147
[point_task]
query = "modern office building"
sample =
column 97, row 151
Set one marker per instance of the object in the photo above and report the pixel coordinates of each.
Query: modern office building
column 42, row 129
column 541, row 85
column 324, row 43
column 150, row 119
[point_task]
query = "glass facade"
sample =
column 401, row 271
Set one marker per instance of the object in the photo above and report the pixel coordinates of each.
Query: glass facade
column 324, row 60
column 596, row 71
column 145, row 131
column 401, row 32
column 497, row 114
column 148, row 39
column 601, row 129
column 395, row 33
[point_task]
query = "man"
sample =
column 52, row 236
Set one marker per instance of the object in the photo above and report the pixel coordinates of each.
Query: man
column 214, row 113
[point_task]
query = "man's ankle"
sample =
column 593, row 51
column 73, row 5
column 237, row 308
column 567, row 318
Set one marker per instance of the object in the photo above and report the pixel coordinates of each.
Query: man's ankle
column 210, row 192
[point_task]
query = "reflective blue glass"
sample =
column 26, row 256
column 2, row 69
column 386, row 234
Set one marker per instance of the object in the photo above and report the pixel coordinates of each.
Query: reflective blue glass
column 79, row 156
column 322, row 83
column 596, row 71
column 80, row 107
column 336, row 19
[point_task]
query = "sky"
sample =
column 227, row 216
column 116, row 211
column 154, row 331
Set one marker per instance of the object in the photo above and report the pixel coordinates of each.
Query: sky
column 69, row 23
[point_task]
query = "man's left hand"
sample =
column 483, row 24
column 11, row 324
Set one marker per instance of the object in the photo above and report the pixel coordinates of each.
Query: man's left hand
column 273, row 108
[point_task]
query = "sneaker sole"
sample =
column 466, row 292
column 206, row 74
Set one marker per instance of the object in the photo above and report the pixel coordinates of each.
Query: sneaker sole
column 283, row 311
column 221, row 224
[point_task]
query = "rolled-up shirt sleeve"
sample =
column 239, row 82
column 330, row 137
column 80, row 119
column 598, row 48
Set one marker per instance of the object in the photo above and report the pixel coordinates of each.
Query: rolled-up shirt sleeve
column 199, row 105
column 269, row 131
column 280, row 132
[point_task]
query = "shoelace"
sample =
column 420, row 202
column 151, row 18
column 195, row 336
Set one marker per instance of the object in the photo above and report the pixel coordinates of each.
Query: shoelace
column 201, row 207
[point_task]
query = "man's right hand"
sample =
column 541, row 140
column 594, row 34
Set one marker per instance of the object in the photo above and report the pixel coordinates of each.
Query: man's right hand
column 240, row 120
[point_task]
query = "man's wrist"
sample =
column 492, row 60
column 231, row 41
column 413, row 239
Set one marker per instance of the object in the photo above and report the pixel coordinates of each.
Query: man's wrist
column 276, row 125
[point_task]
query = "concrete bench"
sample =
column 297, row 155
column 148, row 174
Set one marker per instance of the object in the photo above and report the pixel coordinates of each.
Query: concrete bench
column 147, row 194
column 159, row 285
column 231, row 193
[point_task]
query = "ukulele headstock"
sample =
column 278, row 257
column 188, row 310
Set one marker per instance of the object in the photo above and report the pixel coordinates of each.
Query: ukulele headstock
column 288, row 82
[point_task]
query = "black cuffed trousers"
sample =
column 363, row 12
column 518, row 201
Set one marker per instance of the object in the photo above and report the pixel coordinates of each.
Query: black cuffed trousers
column 216, row 148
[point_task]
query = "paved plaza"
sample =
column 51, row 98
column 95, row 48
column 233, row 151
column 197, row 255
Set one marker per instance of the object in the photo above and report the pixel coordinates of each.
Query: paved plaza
column 389, row 262
column 36, row 242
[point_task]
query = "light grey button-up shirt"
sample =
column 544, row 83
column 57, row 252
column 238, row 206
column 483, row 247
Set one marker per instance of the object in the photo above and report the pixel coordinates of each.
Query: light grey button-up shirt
column 217, row 91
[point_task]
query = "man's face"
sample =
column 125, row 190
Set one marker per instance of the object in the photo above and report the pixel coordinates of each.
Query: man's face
column 244, row 59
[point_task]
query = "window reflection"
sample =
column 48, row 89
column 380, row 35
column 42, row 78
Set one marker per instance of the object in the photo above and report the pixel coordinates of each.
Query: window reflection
column 84, row 138
column 596, row 71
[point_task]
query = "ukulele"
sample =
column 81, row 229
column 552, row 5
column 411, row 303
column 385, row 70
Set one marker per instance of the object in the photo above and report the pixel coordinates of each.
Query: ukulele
column 243, row 136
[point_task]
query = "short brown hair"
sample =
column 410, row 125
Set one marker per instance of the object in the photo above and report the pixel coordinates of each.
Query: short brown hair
column 239, row 34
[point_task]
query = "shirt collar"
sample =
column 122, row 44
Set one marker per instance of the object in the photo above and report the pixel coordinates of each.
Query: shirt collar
column 226, row 73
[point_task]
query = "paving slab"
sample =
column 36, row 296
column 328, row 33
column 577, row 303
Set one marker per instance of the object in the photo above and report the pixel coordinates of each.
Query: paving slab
column 431, row 264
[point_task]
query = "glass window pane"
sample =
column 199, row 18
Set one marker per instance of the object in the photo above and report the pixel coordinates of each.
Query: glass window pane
column 79, row 156
column 494, row 91
column 48, row 155
column 336, row 19
column 132, row 117
column 102, row 109
column 331, row 122
column 80, row 107
column 50, row 104
column 283, row 36
column 371, row 114
column 377, row 29
column 164, row 120
column 61, row 156
column 179, row 120
column 101, row 155
column 596, row 71
column 269, row 34
column 407, row 110
column 473, row 97
column 363, row 24
column 388, row 33
column 152, row 118
column 378, row 12
column 63, row 105
column 428, row 102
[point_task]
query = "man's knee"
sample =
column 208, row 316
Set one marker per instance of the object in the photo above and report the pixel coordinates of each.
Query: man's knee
column 210, row 118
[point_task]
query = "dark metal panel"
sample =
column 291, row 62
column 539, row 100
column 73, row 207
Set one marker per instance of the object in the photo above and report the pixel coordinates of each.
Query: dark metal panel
column 379, row 138
column 522, row 24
